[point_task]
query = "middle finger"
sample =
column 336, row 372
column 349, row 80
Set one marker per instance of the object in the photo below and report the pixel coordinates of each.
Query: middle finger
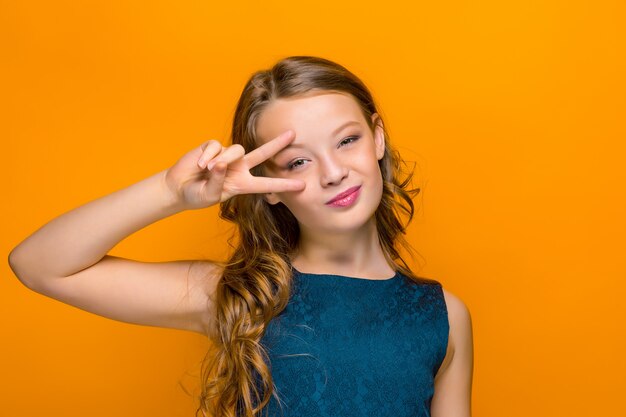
column 269, row 149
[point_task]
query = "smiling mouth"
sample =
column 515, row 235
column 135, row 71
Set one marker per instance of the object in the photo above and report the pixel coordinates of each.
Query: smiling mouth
column 343, row 195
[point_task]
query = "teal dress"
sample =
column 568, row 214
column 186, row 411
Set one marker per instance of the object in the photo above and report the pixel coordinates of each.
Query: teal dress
column 347, row 347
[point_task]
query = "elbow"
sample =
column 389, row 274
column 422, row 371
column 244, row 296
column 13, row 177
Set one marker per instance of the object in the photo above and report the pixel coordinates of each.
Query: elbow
column 13, row 264
column 17, row 266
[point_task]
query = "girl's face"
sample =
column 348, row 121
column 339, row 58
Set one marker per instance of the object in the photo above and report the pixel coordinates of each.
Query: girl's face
column 334, row 151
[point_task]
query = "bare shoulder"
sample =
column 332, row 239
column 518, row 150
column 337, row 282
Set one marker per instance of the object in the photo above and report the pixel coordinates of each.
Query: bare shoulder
column 453, row 382
column 458, row 312
column 459, row 318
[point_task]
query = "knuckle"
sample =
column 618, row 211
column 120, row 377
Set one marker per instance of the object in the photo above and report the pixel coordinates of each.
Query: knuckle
column 238, row 149
column 212, row 143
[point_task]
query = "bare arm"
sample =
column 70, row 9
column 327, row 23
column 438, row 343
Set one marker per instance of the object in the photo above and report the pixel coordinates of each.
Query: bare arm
column 81, row 237
column 453, row 383
column 67, row 259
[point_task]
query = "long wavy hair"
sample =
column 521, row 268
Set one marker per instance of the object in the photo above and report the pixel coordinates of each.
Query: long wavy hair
column 256, row 281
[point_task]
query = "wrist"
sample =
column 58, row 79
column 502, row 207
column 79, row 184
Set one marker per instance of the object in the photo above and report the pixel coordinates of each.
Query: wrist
column 171, row 199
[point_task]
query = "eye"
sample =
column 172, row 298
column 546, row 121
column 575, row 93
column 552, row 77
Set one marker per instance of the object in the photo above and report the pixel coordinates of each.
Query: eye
column 293, row 164
column 299, row 162
column 350, row 139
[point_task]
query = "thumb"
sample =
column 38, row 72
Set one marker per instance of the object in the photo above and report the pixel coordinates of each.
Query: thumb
column 275, row 185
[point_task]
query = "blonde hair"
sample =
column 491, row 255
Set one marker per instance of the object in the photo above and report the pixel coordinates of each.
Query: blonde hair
column 256, row 281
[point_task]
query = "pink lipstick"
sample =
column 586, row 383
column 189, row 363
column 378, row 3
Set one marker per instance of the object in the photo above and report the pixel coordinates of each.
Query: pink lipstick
column 345, row 198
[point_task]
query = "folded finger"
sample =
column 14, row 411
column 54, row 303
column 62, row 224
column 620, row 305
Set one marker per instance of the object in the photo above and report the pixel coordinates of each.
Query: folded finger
column 231, row 154
column 210, row 149
column 215, row 184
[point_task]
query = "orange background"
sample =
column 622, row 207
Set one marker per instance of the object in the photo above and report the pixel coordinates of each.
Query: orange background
column 514, row 111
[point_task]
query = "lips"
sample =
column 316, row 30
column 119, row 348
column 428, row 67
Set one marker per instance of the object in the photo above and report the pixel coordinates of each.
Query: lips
column 343, row 194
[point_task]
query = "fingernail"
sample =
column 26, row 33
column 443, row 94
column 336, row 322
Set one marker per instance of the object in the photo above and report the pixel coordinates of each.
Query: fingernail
column 210, row 165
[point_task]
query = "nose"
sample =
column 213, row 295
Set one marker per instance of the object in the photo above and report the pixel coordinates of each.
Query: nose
column 333, row 171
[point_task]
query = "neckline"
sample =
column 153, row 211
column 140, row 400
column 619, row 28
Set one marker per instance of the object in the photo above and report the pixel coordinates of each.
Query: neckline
column 395, row 276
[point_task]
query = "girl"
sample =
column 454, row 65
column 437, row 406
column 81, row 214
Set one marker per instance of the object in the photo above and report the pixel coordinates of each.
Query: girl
column 315, row 313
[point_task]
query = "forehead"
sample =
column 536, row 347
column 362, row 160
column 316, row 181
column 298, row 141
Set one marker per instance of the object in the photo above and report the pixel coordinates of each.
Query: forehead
column 311, row 113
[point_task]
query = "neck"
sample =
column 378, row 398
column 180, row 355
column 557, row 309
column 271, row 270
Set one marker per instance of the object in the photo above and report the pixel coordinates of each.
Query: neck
column 356, row 253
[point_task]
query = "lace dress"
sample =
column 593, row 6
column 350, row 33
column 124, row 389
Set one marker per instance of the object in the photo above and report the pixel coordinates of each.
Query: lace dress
column 347, row 347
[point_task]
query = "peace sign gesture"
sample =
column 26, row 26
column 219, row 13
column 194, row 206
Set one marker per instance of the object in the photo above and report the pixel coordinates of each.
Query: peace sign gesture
column 213, row 173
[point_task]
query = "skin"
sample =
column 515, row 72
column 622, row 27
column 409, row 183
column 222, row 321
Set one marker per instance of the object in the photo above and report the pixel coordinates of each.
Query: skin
column 343, row 240
column 340, row 239
column 67, row 258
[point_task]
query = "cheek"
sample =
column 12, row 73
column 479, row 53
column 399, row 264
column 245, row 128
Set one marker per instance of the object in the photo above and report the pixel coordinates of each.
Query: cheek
column 306, row 204
column 368, row 163
column 297, row 202
column 367, row 154
column 377, row 177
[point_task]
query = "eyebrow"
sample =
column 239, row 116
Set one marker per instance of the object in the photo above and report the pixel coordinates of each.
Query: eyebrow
column 335, row 132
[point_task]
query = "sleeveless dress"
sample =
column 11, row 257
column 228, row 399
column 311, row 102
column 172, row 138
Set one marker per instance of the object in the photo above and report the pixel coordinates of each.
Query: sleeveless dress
column 347, row 347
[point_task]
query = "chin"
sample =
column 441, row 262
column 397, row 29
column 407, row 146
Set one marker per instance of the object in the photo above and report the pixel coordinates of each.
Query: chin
column 351, row 221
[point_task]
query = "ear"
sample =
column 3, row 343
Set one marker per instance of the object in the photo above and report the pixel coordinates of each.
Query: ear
column 271, row 198
column 379, row 136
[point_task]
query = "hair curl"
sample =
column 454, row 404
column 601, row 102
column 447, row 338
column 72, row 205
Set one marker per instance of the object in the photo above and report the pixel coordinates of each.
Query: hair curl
column 256, row 281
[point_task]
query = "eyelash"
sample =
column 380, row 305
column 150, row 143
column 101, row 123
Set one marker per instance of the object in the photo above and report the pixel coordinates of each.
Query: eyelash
column 292, row 165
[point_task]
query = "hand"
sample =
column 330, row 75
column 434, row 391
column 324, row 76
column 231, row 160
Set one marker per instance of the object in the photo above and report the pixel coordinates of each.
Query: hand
column 213, row 173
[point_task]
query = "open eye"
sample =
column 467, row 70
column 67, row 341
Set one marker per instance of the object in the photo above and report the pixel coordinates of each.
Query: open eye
column 299, row 162
column 293, row 164
column 350, row 139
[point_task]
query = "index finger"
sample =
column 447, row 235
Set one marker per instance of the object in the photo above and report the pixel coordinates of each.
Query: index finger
column 269, row 149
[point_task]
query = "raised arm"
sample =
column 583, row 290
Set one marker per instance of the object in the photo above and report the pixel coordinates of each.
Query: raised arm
column 66, row 259
column 79, row 238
